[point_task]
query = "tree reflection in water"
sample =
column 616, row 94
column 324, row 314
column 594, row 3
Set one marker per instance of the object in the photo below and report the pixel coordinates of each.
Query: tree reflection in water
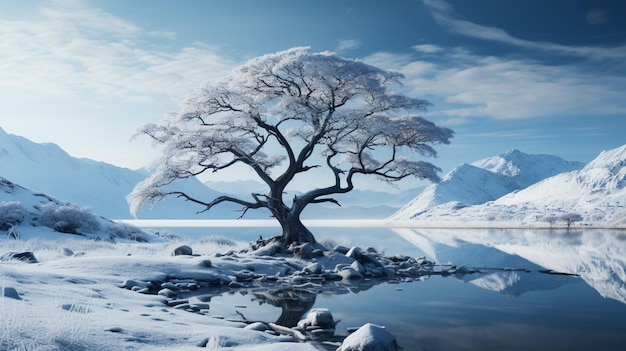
column 294, row 303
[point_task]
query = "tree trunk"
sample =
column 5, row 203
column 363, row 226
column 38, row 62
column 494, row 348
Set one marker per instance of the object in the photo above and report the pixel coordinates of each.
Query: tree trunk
column 294, row 231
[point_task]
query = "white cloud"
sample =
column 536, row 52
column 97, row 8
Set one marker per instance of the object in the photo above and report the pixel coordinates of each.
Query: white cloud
column 345, row 45
column 428, row 48
column 70, row 48
column 463, row 85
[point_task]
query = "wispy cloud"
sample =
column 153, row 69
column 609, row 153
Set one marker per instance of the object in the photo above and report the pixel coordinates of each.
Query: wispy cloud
column 345, row 45
column 464, row 85
column 70, row 48
column 443, row 13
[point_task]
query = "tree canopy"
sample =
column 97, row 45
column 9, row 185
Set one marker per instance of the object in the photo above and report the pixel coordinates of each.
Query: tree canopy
column 284, row 114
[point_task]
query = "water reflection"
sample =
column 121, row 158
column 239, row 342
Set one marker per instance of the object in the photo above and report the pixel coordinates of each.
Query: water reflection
column 294, row 303
column 510, row 304
column 597, row 256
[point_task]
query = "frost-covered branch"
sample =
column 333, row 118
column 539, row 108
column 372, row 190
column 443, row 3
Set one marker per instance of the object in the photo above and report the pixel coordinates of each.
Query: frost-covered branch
column 279, row 115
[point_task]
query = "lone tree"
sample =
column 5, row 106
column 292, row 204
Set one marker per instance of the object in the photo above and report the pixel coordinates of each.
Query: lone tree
column 285, row 114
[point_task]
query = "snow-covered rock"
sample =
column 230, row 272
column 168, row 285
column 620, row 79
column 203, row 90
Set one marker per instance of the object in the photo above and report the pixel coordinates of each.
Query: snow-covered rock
column 369, row 337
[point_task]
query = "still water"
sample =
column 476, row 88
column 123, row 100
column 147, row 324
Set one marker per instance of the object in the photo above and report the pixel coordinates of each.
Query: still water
column 513, row 304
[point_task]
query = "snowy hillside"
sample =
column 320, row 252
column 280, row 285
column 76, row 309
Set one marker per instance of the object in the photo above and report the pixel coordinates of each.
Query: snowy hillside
column 594, row 195
column 25, row 214
column 103, row 187
column 485, row 180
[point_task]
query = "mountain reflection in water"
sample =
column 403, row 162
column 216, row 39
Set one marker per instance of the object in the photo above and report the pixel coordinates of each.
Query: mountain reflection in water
column 597, row 256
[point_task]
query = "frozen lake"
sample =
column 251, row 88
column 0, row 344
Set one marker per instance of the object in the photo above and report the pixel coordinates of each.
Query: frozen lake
column 537, row 289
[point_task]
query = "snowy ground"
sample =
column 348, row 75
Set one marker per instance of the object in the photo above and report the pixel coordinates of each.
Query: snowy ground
column 74, row 297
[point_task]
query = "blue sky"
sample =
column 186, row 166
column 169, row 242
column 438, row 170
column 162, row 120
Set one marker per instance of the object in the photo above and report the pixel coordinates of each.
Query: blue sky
column 534, row 75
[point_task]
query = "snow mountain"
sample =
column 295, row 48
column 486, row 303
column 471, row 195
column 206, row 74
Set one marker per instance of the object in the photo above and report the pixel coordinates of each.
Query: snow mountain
column 593, row 196
column 46, row 168
column 355, row 204
column 485, row 180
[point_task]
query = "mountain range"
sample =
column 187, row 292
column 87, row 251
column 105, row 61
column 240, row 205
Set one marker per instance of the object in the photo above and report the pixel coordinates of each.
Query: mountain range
column 46, row 168
column 515, row 189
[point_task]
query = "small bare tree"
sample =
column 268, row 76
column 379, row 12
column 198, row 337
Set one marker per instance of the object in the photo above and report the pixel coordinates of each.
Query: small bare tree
column 570, row 218
column 285, row 114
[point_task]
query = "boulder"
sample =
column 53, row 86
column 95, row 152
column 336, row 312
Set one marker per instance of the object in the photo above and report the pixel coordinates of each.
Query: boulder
column 349, row 273
column 26, row 256
column 369, row 337
column 318, row 318
column 304, row 251
column 183, row 250
column 10, row 293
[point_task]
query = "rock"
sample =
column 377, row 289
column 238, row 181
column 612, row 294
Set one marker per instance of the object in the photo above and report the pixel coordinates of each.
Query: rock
column 350, row 273
column 68, row 252
column 341, row 249
column 235, row 285
column 313, row 268
column 115, row 330
column 135, row 284
column 10, row 293
column 167, row 292
column 369, row 337
column 320, row 318
column 304, row 251
column 206, row 263
column 26, row 256
column 334, row 259
column 183, row 250
column 354, row 253
column 170, row 285
column 358, row 267
column 258, row 326
column 173, row 303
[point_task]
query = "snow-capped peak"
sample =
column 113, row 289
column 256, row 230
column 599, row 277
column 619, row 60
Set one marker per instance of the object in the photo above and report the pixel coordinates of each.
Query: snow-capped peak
column 593, row 196
column 486, row 180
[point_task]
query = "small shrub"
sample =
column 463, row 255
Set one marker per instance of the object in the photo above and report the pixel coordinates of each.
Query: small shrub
column 11, row 214
column 128, row 232
column 68, row 218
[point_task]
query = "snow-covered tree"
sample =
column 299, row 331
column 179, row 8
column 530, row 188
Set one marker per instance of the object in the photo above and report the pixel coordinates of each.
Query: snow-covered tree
column 286, row 114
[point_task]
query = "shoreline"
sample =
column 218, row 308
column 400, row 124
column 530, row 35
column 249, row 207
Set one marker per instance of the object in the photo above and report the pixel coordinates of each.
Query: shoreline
column 360, row 223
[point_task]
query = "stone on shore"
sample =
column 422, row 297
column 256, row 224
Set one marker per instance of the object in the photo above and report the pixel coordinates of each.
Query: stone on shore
column 369, row 337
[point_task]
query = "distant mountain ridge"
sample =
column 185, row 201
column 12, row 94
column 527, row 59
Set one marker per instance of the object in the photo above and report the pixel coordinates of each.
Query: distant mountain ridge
column 486, row 180
column 596, row 193
column 355, row 204
column 48, row 169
